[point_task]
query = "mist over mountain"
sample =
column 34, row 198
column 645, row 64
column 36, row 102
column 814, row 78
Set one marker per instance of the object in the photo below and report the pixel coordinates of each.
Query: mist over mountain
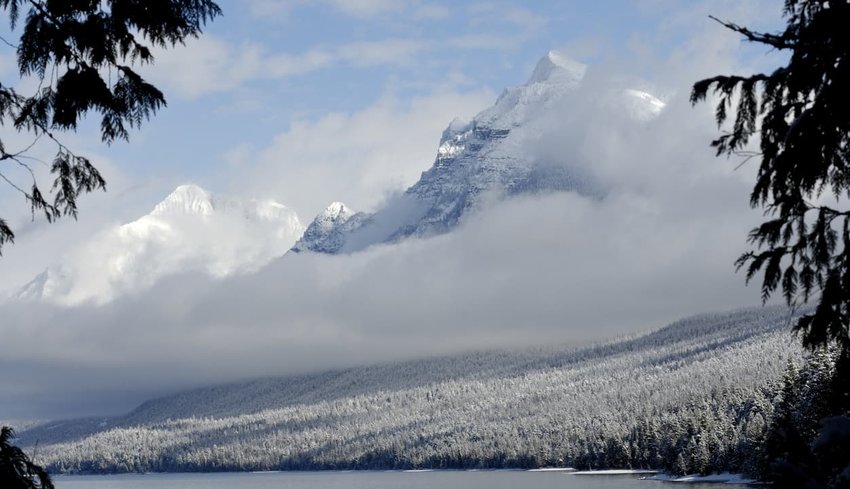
column 478, row 163
column 484, row 160
column 190, row 230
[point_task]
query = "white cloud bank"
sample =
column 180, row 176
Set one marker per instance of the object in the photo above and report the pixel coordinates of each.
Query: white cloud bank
column 211, row 65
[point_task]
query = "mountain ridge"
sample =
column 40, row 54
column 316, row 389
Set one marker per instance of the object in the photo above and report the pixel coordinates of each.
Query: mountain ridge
column 485, row 159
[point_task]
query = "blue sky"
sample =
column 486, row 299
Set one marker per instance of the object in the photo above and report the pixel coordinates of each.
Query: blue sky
column 266, row 64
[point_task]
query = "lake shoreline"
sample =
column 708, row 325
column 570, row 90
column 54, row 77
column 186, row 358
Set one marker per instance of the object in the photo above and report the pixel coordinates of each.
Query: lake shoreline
column 726, row 478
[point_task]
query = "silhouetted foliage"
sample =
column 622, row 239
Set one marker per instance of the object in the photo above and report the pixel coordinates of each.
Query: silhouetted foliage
column 801, row 114
column 82, row 52
column 16, row 469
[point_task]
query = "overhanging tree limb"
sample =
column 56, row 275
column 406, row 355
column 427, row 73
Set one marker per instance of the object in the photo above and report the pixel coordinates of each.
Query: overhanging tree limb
column 68, row 46
column 801, row 115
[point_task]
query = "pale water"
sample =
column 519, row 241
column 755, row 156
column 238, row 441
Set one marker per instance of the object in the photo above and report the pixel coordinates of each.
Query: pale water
column 371, row 480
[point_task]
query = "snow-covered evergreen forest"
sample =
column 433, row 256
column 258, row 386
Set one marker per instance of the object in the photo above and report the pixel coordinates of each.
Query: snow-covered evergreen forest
column 695, row 396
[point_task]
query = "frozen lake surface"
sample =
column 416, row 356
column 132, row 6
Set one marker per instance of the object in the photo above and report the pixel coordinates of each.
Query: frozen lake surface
column 371, row 480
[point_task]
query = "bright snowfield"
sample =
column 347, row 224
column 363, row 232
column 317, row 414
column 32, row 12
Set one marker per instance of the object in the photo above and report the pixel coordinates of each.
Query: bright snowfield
column 636, row 402
column 191, row 230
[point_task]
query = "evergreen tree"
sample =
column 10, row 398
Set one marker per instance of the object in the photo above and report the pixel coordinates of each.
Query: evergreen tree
column 801, row 115
column 16, row 469
column 83, row 52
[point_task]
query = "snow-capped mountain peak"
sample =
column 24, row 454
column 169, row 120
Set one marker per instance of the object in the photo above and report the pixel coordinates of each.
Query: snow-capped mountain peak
column 490, row 157
column 328, row 231
column 557, row 67
column 555, row 76
column 188, row 199
column 335, row 212
column 190, row 230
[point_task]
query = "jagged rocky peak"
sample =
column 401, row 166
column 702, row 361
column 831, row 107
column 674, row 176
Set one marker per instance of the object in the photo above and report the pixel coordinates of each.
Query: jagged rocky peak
column 337, row 211
column 456, row 126
column 490, row 157
column 188, row 199
column 556, row 66
column 326, row 234
column 555, row 76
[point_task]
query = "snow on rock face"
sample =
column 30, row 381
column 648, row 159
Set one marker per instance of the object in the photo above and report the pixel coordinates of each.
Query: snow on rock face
column 327, row 232
column 185, row 200
column 487, row 158
column 189, row 230
column 556, row 65
column 554, row 77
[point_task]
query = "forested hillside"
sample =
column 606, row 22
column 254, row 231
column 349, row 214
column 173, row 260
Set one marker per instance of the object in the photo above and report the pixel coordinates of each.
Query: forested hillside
column 694, row 396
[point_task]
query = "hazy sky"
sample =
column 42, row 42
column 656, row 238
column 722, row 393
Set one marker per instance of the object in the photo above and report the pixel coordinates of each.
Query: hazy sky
column 310, row 102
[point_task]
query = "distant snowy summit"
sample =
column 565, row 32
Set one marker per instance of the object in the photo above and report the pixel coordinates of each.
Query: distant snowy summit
column 192, row 200
column 191, row 230
column 185, row 200
column 327, row 232
column 486, row 159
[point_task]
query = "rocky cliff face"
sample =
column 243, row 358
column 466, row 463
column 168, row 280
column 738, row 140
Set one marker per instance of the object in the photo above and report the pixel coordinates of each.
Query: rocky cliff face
column 327, row 233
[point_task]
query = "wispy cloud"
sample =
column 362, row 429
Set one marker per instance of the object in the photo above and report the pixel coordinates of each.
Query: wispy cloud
column 489, row 13
column 358, row 157
column 484, row 41
column 212, row 65
column 497, row 27
column 406, row 37
column 359, row 9
column 384, row 52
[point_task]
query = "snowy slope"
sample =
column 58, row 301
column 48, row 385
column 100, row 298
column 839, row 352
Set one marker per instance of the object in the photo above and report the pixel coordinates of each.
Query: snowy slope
column 486, row 409
column 191, row 230
column 485, row 159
